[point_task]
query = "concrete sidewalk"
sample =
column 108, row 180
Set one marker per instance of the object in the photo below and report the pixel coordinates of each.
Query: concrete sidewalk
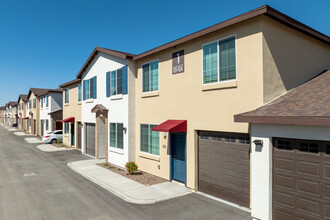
column 51, row 148
column 125, row 188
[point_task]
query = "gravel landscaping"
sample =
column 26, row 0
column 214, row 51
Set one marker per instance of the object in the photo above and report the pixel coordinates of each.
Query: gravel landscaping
column 139, row 176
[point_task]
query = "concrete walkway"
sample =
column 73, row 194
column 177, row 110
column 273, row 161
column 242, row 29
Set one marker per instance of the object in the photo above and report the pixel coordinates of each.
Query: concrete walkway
column 33, row 140
column 22, row 133
column 125, row 188
column 51, row 148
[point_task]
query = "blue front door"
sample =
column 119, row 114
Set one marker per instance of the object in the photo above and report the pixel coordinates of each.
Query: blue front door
column 178, row 156
column 72, row 134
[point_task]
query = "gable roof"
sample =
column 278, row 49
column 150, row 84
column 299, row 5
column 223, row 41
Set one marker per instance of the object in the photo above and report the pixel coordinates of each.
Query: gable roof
column 69, row 83
column 37, row 92
column 263, row 10
column 12, row 104
column 307, row 104
column 58, row 90
column 22, row 97
column 116, row 53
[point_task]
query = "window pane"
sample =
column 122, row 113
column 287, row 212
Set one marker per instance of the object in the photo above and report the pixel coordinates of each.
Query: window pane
column 154, row 76
column 113, row 83
column 145, row 86
column 87, row 89
column 144, row 138
column 210, row 63
column 79, row 92
column 119, row 81
column 227, row 59
column 113, row 134
column 120, row 135
column 154, row 141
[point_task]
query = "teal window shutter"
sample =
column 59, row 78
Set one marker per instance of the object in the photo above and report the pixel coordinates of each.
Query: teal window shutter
column 124, row 80
column 108, row 84
column 94, row 87
column 84, row 90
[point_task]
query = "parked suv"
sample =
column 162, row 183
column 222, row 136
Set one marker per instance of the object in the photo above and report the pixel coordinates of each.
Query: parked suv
column 52, row 137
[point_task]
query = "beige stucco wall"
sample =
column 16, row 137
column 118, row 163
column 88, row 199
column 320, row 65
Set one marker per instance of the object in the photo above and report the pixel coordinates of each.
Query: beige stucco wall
column 290, row 58
column 35, row 114
column 22, row 114
column 71, row 109
column 182, row 96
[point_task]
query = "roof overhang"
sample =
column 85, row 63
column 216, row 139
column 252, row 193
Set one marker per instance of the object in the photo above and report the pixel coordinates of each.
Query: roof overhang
column 100, row 108
column 172, row 126
column 285, row 120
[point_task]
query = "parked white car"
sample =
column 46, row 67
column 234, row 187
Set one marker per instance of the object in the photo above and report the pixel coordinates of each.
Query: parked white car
column 52, row 137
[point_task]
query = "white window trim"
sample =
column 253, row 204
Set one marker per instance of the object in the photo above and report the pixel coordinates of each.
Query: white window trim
column 149, row 76
column 224, row 81
column 147, row 153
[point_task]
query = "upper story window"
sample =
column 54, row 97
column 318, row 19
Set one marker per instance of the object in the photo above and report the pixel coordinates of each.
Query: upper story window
column 34, row 103
column 47, row 100
column 79, row 92
column 90, row 88
column 66, row 95
column 150, row 76
column 117, row 82
column 219, row 61
column 42, row 102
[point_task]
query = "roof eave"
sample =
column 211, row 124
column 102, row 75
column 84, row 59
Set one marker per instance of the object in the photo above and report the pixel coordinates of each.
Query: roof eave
column 285, row 120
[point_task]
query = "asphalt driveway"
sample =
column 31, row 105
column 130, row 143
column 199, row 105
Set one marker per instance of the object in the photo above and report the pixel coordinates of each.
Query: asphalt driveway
column 39, row 185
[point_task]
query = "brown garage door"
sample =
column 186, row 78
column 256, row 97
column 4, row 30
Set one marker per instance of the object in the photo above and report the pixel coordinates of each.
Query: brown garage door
column 301, row 179
column 224, row 166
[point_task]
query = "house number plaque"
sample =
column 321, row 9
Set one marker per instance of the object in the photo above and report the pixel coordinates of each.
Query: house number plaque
column 178, row 62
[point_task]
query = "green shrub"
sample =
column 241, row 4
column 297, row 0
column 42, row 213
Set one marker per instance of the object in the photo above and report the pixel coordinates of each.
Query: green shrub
column 131, row 167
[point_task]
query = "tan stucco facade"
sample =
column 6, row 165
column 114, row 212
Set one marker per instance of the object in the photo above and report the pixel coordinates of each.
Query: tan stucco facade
column 290, row 58
column 260, row 50
column 22, row 115
column 71, row 109
column 205, row 107
column 34, row 115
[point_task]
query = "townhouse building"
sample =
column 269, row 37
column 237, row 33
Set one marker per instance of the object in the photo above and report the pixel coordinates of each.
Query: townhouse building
column 34, row 110
column 22, row 100
column 108, row 106
column 2, row 114
column 12, row 113
column 50, row 102
column 7, row 114
column 188, row 91
column 72, row 126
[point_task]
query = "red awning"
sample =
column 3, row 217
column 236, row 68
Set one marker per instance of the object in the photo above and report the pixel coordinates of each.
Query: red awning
column 26, row 118
column 71, row 119
column 172, row 126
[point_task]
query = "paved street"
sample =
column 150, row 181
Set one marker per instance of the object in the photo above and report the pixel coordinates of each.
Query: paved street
column 39, row 185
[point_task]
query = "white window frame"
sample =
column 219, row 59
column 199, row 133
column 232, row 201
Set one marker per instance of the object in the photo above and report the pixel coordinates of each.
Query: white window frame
column 116, row 147
column 149, row 76
column 218, row 63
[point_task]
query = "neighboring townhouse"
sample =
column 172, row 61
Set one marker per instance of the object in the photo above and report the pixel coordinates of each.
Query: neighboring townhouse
column 187, row 92
column 108, row 106
column 50, row 101
column 7, row 114
column 72, row 126
column 34, row 110
column 22, row 100
column 13, row 113
column 2, row 114
column 290, row 153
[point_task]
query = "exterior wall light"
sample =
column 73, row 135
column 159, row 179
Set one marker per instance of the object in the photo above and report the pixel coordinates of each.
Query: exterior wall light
column 124, row 129
column 258, row 142
column 164, row 134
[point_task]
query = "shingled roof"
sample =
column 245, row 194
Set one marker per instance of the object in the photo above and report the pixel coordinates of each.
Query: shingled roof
column 13, row 103
column 22, row 97
column 307, row 104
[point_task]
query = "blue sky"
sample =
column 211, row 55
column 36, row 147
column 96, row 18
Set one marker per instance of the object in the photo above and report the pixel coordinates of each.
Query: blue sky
column 44, row 43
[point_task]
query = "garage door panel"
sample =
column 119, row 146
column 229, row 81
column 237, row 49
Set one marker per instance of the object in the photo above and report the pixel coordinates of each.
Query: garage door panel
column 308, row 206
column 303, row 192
column 308, row 186
column 287, row 182
column 284, row 199
column 311, row 168
column 229, row 163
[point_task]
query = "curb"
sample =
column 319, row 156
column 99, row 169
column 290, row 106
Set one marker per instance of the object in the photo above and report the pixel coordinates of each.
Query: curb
column 122, row 195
